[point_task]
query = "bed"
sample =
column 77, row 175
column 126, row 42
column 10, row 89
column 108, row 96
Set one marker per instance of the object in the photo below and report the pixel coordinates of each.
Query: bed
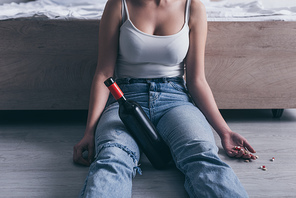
column 48, row 54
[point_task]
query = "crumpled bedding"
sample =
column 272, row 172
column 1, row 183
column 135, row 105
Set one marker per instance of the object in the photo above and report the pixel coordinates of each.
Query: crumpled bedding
column 251, row 10
column 54, row 9
column 218, row 10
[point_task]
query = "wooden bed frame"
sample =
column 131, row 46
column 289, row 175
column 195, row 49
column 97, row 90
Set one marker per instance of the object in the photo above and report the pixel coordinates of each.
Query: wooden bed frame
column 49, row 64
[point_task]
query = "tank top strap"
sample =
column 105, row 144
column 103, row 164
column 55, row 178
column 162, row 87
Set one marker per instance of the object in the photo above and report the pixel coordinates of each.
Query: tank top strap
column 124, row 11
column 187, row 14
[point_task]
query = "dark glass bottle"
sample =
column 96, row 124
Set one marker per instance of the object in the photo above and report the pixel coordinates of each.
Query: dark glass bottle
column 141, row 128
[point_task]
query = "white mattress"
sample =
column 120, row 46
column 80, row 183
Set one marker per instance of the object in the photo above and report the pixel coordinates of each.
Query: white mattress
column 217, row 10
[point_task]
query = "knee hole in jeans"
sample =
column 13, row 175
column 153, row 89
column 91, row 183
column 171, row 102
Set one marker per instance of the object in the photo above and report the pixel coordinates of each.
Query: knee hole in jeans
column 130, row 153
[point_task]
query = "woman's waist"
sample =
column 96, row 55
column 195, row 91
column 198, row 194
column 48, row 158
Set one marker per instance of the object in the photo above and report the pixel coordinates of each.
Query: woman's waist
column 177, row 79
column 141, row 88
column 146, row 90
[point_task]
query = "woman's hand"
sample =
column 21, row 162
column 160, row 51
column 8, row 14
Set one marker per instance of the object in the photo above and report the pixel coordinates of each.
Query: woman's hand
column 237, row 146
column 85, row 144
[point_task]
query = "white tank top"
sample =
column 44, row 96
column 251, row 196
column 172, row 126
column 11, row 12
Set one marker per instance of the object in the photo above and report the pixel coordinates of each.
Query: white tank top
column 143, row 55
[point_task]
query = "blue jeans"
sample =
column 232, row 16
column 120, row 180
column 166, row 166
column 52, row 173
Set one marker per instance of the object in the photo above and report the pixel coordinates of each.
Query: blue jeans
column 182, row 126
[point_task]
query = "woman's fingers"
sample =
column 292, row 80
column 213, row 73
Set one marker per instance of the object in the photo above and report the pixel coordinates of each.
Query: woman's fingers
column 77, row 156
column 249, row 147
column 242, row 152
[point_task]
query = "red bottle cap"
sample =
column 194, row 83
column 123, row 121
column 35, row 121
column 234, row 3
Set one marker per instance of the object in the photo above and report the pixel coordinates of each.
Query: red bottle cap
column 114, row 89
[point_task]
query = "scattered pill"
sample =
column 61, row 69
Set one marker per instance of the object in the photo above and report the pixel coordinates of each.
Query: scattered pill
column 247, row 161
column 257, row 157
column 263, row 168
column 272, row 159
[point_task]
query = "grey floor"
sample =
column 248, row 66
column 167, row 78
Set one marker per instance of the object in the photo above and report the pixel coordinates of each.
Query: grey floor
column 36, row 156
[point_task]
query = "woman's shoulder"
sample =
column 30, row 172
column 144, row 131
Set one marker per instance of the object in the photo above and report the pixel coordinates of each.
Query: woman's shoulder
column 113, row 5
column 197, row 11
column 197, row 6
column 112, row 11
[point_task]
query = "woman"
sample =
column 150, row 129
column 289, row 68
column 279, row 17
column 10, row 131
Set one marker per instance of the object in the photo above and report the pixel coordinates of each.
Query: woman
column 145, row 44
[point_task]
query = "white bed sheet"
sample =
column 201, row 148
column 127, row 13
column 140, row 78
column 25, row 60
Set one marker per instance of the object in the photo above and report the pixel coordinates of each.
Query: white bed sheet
column 218, row 10
column 54, row 9
column 251, row 10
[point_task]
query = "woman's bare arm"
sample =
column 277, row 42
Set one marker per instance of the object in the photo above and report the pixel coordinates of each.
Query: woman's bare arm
column 108, row 47
column 195, row 74
column 197, row 84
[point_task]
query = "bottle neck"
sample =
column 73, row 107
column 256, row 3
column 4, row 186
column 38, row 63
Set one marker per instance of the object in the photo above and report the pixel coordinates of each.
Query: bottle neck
column 121, row 100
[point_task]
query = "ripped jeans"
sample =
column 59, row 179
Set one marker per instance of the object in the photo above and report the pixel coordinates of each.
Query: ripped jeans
column 182, row 126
